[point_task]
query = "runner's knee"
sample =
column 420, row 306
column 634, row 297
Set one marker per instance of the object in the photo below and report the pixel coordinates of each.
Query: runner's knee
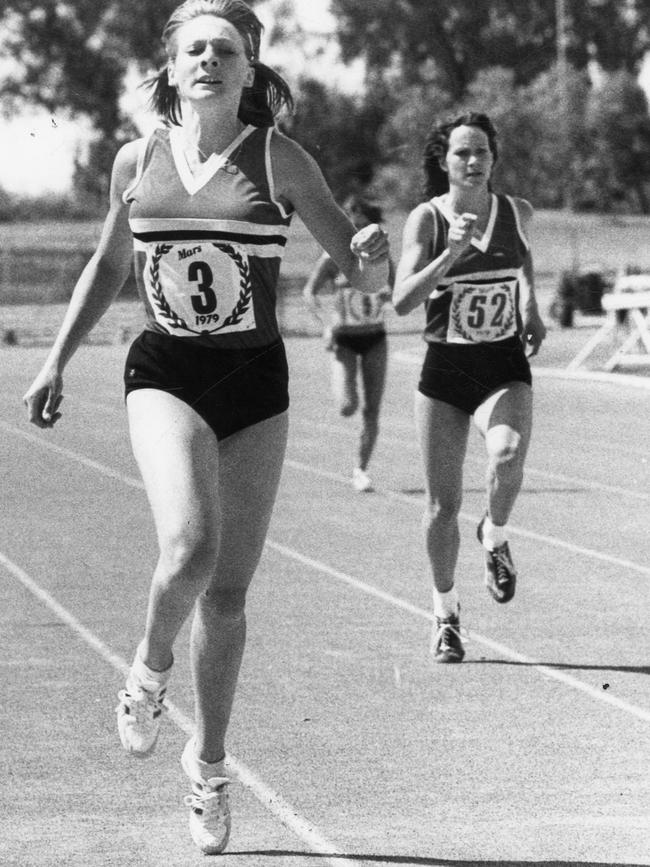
column 226, row 602
column 188, row 556
column 442, row 510
column 505, row 447
column 371, row 417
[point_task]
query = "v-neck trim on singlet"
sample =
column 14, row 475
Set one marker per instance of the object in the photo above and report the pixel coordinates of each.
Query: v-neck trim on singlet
column 483, row 242
column 193, row 182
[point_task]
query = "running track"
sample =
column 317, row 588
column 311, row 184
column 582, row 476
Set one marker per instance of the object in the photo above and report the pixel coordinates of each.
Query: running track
column 352, row 747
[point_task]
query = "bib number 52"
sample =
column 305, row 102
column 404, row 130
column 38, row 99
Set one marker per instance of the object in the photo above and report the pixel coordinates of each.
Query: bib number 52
column 476, row 313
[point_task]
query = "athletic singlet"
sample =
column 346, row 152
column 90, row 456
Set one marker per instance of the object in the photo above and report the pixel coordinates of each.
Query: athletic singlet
column 208, row 246
column 357, row 312
column 477, row 299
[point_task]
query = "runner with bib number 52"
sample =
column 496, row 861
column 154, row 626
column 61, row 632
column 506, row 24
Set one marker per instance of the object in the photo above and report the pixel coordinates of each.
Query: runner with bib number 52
column 466, row 257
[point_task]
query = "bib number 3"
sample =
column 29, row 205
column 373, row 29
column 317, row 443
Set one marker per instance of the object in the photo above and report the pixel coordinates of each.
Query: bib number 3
column 204, row 303
column 204, row 289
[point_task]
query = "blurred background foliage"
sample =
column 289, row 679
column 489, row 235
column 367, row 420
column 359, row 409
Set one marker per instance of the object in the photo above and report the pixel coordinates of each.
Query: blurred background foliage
column 576, row 133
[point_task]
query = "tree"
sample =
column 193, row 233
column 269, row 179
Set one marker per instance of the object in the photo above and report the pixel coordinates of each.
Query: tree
column 455, row 39
column 617, row 166
column 535, row 160
column 74, row 55
column 411, row 113
column 339, row 131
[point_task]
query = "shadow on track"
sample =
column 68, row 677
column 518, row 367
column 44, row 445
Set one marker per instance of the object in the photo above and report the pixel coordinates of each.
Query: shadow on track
column 430, row 862
column 564, row 666
column 416, row 492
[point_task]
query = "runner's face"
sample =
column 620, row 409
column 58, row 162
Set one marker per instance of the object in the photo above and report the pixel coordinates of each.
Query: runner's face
column 210, row 61
column 468, row 160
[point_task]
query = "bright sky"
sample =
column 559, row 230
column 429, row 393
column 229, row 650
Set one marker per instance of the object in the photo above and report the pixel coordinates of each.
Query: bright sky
column 37, row 152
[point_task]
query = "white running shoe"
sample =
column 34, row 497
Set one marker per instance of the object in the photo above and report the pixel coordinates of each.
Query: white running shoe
column 139, row 714
column 208, row 803
column 361, row 480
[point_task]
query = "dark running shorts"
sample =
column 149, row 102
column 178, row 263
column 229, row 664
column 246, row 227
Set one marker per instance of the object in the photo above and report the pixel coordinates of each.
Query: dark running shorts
column 230, row 389
column 464, row 375
column 359, row 343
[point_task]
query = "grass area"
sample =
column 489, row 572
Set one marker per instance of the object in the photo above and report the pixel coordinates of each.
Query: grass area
column 560, row 240
column 34, row 279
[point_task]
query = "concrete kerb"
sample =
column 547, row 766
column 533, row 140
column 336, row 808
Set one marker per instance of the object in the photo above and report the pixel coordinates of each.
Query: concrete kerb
column 594, row 376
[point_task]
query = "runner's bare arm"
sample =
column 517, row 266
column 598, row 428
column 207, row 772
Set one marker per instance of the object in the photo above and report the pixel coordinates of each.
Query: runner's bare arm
column 324, row 272
column 534, row 330
column 416, row 275
column 361, row 256
column 97, row 286
column 104, row 275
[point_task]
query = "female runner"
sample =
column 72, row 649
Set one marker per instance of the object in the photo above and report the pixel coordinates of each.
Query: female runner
column 357, row 340
column 466, row 256
column 206, row 201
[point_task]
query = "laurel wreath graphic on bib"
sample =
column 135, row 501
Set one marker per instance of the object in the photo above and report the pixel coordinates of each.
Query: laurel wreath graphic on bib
column 169, row 315
column 466, row 330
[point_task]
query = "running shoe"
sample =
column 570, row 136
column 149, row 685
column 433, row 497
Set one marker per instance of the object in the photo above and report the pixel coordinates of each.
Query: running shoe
column 500, row 572
column 361, row 480
column 208, row 803
column 139, row 715
column 446, row 642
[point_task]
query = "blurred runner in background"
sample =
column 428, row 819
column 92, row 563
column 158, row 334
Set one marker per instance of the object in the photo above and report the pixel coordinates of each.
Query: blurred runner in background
column 356, row 338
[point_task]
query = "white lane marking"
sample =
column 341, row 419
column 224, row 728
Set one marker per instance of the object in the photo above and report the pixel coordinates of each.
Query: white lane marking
column 413, row 357
column 337, row 477
column 582, row 483
column 640, row 823
column 641, row 713
column 275, row 803
column 616, row 379
column 41, row 441
column 546, row 671
column 399, row 441
column 474, row 519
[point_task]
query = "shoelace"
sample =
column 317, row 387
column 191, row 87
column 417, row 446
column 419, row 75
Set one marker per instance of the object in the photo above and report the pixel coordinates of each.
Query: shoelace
column 211, row 799
column 438, row 639
column 504, row 564
column 143, row 705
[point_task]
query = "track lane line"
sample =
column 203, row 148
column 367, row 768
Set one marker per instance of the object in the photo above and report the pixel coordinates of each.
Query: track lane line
column 553, row 674
column 336, row 477
column 413, row 358
column 399, row 441
column 479, row 461
column 509, row 653
column 302, row 828
column 474, row 519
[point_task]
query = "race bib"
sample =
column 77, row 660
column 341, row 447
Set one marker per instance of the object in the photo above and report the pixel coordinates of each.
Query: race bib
column 360, row 308
column 481, row 313
column 200, row 288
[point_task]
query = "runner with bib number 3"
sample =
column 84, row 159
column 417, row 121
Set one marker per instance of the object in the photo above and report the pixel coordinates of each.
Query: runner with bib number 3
column 466, row 256
column 203, row 206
